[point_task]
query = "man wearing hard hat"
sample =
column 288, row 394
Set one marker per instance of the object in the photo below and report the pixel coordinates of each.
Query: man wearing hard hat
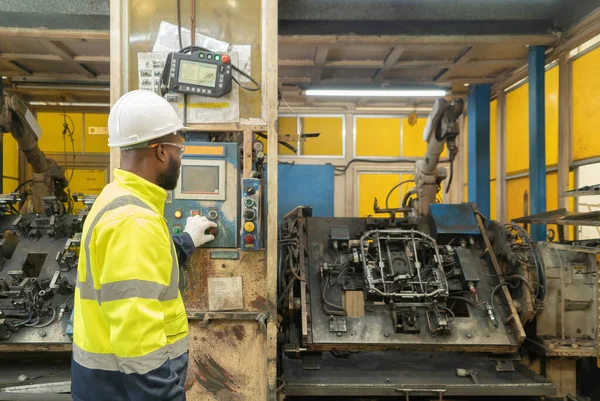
column 130, row 329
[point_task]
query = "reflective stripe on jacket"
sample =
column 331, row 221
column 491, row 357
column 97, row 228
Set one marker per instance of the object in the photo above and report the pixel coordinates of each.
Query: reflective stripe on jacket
column 129, row 314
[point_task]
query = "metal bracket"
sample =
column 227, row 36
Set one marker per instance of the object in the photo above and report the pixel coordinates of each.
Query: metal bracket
column 407, row 392
column 205, row 318
column 337, row 324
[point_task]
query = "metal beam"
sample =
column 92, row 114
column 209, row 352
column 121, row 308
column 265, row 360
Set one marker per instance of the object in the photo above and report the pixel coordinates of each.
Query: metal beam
column 564, row 132
column 391, row 60
column 537, row 138
column 54, row 34
column 15, row 67
column 417, row 40
column 61, row 50
column 462, row 59
column 479, row 147
column 53, row 57
column 320, row 59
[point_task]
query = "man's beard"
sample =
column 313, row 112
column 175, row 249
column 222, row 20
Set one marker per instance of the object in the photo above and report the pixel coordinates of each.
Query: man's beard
column 167, row 180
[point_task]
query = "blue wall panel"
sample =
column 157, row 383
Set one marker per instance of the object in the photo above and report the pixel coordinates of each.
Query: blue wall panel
column 305, row 185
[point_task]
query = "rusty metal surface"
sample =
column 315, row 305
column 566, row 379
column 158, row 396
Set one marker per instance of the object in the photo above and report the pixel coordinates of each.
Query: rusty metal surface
column 555, row 348
column 251, row 267
column 226, row 362
column 227, row 349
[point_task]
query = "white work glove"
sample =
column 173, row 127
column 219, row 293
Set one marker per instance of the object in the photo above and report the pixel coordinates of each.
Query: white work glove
column 196, row 227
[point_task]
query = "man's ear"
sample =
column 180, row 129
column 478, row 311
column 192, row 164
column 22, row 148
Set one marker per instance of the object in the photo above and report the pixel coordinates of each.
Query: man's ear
column 161, row 154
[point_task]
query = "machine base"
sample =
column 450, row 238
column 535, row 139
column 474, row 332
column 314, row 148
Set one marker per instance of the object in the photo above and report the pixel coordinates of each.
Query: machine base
column 400, row 373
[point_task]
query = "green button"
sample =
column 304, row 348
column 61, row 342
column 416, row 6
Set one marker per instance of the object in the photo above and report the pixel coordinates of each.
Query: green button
column 249, row 202
column 201, row 55
column 217, row 58
column 177, row 230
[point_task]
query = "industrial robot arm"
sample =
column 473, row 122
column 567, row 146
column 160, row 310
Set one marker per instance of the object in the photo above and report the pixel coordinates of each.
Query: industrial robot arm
column 441, row 129
column 48, row 177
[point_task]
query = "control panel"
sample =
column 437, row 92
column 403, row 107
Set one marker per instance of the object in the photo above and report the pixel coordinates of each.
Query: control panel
column 208, row 186
column 251, row 215
column 198, row 73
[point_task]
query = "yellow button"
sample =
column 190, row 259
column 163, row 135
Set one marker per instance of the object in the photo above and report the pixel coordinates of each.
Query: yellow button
column 249, row 226
column 178, row 214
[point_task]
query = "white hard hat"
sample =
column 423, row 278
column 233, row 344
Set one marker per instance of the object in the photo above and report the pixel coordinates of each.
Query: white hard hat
column 140, row 116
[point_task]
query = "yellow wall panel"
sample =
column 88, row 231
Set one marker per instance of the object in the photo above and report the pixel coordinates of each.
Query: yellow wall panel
column 515, row 188
column 413, row 144
column 517, row 124
column 465, row 193
column 330, row 142
column 492, row 215
column 287, row 126
column 551, row 87
column 95, row 143
column 493, row 119
column 517, row 130
column 88, row 182
column 378, row 185
column 586, row 105
column 52, row 139
column 377, row 137
column 10, row 163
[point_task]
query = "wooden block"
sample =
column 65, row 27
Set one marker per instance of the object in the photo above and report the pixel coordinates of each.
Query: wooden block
column 354, row 303
column 563, row 373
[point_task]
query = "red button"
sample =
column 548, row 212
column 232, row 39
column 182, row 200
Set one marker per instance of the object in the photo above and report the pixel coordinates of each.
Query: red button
column 249, row 239
column 195, row 213
column 225, row 58
column 213, row 231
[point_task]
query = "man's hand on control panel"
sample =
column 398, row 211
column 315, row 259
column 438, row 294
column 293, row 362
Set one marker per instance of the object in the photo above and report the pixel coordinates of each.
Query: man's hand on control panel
column 196, row 227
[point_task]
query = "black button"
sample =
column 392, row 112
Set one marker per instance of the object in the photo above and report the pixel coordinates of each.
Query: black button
column 249, row 214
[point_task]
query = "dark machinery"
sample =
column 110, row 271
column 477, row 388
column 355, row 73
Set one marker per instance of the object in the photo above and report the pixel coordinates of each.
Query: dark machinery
column 433, row 300
column 48, row 177
column 39, row 247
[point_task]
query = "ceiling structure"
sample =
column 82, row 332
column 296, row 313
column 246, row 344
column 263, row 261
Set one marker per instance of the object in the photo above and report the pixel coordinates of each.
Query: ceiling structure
column 323, row 43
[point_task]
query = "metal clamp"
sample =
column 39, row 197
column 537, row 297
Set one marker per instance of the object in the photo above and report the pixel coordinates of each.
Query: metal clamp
column 205, row 318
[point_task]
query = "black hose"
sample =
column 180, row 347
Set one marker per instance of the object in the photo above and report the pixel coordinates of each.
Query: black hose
column 387, row 198
column 284, row 144
column 326, row 303
column 451, row 175
column 407, row 196
column 179, row 25
column 21, row 185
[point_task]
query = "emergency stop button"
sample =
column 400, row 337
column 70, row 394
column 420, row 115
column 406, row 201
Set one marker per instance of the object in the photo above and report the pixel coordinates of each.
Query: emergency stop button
column 225, row 58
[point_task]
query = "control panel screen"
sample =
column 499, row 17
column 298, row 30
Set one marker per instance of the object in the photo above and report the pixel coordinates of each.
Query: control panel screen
column 200, row 180
column 195, row 73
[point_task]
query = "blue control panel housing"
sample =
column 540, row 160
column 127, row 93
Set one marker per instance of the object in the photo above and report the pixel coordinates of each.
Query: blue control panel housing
column 251, row 234
column 208, row 186
column 450, row 220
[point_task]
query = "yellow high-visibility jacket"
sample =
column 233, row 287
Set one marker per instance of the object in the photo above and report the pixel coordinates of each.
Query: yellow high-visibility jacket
column 129, row 323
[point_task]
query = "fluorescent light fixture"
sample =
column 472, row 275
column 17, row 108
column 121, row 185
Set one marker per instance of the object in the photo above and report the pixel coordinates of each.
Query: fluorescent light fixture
column 67, row 104
column 376, row 92
column 398, row 109
column 465, row 84
column 3, row 77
